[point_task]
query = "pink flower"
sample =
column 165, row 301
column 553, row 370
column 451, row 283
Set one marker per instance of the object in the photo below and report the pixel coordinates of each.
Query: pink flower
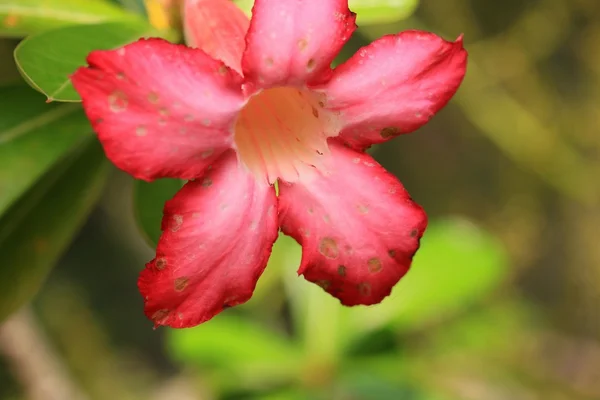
column 257, row 103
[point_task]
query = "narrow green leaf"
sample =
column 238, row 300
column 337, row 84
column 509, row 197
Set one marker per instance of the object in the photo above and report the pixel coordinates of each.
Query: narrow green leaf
column 33, row 137
column 55, row 213
column 46, row 60
column 148, row 203
column 367, row 11
column 26, row 17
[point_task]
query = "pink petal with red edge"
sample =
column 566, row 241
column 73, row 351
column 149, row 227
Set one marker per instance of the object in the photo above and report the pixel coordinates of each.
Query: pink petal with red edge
column 217, row 237
column 293, row 42
column 395, row 85
column 160, row 110
column 218, row 27
column 357, row 225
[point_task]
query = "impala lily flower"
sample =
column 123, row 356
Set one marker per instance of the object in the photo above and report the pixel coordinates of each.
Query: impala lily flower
column 251, row 103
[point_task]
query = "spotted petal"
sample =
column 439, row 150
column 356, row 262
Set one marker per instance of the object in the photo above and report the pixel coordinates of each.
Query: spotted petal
column 218, row 27
column 394, row 85
column 217, row 237
column 292, row 42
column 357, row 225
column 160, row 110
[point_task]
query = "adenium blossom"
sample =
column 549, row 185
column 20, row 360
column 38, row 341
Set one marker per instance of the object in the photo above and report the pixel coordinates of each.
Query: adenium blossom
column 253, row 102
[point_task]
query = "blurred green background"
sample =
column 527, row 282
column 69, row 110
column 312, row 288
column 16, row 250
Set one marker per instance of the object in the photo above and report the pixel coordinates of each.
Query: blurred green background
column 502, row 302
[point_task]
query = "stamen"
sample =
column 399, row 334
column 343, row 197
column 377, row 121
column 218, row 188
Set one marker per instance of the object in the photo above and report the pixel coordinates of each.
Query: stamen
column 282, row 133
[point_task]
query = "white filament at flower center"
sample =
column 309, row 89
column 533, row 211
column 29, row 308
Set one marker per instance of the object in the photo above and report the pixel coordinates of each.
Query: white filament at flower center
column 282, row 133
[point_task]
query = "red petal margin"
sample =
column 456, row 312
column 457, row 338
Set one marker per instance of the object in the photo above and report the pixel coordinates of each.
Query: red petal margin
column 294, row 42
column 394, row 85
column 160, row 109
column 357, row 225
column 217, row 237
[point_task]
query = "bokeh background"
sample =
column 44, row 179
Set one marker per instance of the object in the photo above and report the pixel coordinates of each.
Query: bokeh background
column 502, row 302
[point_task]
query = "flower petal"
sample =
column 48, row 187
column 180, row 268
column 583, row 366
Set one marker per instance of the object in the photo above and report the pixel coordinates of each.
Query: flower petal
column 394, row 85
column 218, row 27
column 293, row 42
column 217, row 237
column 160, row 110
column 357, row 225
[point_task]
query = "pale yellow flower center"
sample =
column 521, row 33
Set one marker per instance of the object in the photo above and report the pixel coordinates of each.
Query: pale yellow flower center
column 282, row 133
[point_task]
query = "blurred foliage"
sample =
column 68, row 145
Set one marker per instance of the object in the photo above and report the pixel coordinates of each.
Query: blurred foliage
column 501, row 302
column 25, row 17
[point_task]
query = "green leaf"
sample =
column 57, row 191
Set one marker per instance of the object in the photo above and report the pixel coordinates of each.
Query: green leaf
column 47, row 218
column 33, row 137
column 382, row 11
column 236, row 345
column 367, row 386
column 136, row 6
column 48, row 59
column 484, row 331
column 367, row 11
column 148, row 203
column 245, row 6
column 457, row 265
column 389, row 376
column 26, row 17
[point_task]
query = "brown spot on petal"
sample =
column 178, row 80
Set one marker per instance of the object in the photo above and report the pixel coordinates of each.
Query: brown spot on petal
column 315, row 112
column 160, row 315
column 328, row 247
column 177, row 222
column 341, row 270
column 222, row 70
column 207, row 153
column 323, row 283
column 364, row 288
column 153, row 97
column 302, row 43
column 269, row 61
column 389, row 132
column 141, row 131
column 181, row 283
column 117, row 101
column 362, row 209
column 161, row 263
column 206, row 182
column 310, row 65
column 414, row 233
column 392, row 253
column 374, row 265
